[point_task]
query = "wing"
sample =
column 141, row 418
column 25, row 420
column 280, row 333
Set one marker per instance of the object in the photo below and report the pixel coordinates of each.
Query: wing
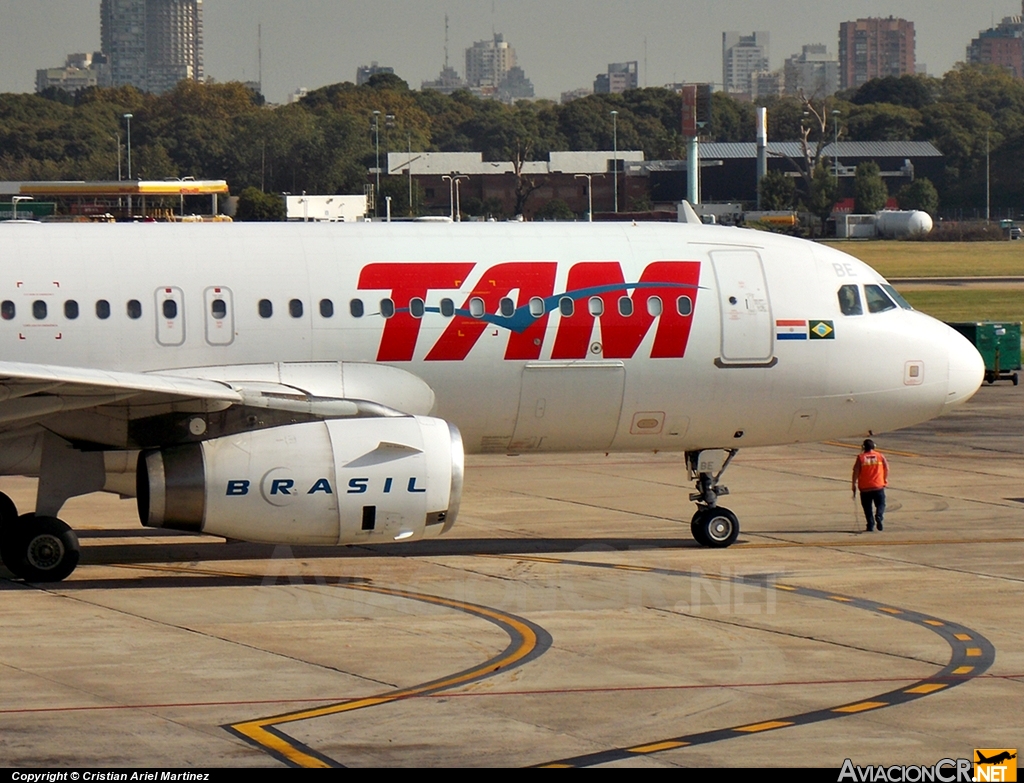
column 130, row 410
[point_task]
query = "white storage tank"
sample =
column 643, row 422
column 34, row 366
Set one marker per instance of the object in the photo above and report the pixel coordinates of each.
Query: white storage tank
column 893, row 224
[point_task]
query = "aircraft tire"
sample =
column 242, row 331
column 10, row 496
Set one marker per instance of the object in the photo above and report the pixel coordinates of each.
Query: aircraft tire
column 697, row 528
column 716, row 527
column 39, row 549
column 8, row 511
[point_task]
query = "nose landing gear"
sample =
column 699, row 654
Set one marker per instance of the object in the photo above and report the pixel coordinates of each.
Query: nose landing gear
column 712, row 525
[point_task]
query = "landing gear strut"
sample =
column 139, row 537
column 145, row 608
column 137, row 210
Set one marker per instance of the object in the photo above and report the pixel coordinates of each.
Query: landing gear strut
column 36, row 548
column 712, row 525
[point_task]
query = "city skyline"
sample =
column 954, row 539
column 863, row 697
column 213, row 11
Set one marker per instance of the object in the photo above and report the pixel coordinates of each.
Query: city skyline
column 321, row 43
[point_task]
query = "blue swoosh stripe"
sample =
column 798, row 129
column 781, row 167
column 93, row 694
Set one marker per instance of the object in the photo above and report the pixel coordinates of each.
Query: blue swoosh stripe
column 522, row 319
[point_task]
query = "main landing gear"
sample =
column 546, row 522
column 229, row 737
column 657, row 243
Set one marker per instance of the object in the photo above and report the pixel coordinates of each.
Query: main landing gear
column 36, row 548
column 712, row 525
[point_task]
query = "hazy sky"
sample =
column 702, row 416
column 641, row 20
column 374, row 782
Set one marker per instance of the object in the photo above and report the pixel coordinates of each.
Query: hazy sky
column 561, row 44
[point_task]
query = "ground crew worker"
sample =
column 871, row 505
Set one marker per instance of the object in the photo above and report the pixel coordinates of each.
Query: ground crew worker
column 871, row 476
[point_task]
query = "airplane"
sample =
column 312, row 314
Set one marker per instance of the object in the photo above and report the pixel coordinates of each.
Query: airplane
column 999, row 758
column 321, row 383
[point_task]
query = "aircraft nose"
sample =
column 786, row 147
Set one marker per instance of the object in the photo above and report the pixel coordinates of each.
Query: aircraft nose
column 966, row 369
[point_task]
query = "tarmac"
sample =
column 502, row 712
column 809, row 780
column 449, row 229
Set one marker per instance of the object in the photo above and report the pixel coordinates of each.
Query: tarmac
column 568, row 619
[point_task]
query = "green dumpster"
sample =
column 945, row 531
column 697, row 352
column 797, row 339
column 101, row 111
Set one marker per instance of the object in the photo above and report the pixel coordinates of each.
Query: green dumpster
column 998, row 344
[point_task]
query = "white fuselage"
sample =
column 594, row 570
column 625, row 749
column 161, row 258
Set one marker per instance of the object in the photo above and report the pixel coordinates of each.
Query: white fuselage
column 731, row 359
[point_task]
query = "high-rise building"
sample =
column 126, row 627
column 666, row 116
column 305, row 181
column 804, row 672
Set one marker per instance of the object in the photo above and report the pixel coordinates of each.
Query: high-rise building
column 487, row 62
column 79, row 71
column 874, row 48
column 364, row 72
column 814, row 72
column 1002, row 45
column 743, row 55
column 152, row 44
column 619, row 78
column 764, row 84
column 515, row 86
column 448, row 81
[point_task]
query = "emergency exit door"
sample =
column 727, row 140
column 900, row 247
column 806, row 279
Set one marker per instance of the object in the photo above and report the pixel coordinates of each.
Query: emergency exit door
column 747, row 336
column 170, row 316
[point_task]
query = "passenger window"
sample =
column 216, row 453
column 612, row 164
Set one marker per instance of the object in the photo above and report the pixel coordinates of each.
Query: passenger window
column 878, row 300
column 39, row 309
column 417, row 307
column 266, row 308
column 625, row 306
column 355, row 307
column 387, row 308
column 566, row 306
column 170, row 308
column 7, row 310
column 102, row 309
column 536, row 307
column 447, row 308
column 326, row 308
column 295, row 308
column 71, row 309
column 655, row 306
column 684, row 305
column 849, row 300
column 596, row 306
column 896, row 296
column 134, row 309
column 507, row 307
column 218, row 309
column 476, row 307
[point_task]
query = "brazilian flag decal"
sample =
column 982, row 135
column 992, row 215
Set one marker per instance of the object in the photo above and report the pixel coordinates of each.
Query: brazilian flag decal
column 822, row 330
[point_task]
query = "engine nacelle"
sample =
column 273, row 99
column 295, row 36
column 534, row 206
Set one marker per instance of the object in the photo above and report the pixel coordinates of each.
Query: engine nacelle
column 340, row 481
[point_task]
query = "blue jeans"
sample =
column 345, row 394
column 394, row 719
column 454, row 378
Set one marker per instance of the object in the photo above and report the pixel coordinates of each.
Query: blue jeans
column 876, row 498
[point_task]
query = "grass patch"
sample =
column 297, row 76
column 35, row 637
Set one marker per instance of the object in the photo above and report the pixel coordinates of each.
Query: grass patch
column 969, row 304
column 939, row 259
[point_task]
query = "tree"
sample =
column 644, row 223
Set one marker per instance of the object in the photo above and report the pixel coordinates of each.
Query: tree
column 556, row 209
column 883, row 122
column 813, row 138
column 777, row 191
column 824, row 191
column 255, row 205
column 869, row 191
column 913, row 92
column 919, row 194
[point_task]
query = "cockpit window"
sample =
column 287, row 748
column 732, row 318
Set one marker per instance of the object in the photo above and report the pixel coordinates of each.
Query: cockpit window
column 878, row 300
column 849, row 300
column 896, row 295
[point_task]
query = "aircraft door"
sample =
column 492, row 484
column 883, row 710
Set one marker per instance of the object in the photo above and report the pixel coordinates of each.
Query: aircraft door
column 220, row 316
column 569, row 406
column 170, row 316
column 747, row 333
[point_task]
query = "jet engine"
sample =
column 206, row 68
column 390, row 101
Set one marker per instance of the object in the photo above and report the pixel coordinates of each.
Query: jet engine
column 339, row 481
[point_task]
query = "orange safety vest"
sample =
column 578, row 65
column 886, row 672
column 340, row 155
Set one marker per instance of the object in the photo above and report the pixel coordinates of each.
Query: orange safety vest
column 871, row 471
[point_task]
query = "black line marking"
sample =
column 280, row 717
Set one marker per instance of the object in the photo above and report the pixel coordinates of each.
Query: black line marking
column 978, row 654
column 519, row 651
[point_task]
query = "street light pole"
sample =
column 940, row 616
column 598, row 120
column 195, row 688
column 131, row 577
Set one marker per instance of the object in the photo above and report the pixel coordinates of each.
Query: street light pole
column 128, row 119
column 14, row 204
column 458, row 205
column 988, row 180
column 835, row 144
column 409, row 164
column 615, row 149
column 451, row 193
column 376, row 133
column 590, row 196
